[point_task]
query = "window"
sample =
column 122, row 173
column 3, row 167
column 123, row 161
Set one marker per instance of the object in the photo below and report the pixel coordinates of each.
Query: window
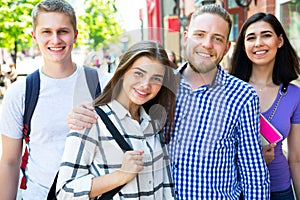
column 289, row 17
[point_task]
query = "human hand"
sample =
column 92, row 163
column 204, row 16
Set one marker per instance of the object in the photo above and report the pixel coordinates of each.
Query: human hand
column 132, row 164
column 82, row 116
column 268, row 152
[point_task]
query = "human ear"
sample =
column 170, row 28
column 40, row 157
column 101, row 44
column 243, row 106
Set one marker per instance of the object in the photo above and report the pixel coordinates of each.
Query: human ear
column 280, row 41
column 75, row 37
column 227, row 47
column 33, row 36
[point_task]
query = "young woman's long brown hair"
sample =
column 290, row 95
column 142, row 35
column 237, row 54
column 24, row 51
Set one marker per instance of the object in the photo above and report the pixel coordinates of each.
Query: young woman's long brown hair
column 167, row 94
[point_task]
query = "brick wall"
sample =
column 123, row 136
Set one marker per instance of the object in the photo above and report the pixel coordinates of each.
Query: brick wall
column 262, row 6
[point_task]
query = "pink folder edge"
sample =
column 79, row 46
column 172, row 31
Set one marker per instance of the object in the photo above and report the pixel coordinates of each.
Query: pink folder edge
column 268, row 131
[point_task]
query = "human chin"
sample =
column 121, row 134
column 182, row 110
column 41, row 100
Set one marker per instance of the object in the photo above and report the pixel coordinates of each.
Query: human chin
column 202, row 66
column 138, row 101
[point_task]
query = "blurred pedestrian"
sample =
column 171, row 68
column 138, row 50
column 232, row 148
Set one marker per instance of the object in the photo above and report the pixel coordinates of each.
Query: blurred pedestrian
column 172, row 57
column 11, row 75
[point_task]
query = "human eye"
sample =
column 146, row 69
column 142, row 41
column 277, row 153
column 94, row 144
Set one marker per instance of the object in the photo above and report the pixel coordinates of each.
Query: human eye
column 218, row 39
column 63, row 31
column 46, row 32
column 157, row 79
column 267, row 35
column 198, row 34
column 250, row 38
column 138, row 73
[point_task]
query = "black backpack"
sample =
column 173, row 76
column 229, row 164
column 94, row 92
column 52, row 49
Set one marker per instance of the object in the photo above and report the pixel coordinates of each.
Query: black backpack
column 31, row 98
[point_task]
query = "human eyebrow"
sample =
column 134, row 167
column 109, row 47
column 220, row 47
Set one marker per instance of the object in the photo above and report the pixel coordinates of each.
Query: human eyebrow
column 144, row 71
column 140, row 69
column 264, row 32
column 198, row 31
column 65, row 28
column 159, row 75
column 219, row 35
column 249, row 35
column 45, row 28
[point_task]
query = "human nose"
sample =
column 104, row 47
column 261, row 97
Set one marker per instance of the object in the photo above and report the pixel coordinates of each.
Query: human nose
column 145, row 83
column 55, row 38
column 207, row 42
column 258, row 41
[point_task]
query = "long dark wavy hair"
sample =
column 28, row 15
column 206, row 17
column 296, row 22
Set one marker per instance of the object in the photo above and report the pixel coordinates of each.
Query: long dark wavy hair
column 286, row 67
column 167, row 94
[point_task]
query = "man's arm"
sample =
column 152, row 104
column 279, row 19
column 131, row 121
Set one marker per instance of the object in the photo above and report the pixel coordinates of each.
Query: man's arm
column 82, row 116
column 254, row 175
column 10, row 167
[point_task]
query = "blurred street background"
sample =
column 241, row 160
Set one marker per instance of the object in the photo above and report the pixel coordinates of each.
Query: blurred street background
column 120, row 23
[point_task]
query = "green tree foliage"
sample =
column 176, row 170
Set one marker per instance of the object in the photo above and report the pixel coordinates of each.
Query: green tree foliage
column 15, row 23
column 98, row 26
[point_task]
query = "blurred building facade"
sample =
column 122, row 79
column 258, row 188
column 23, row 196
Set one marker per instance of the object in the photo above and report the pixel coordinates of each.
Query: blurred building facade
column 166, row 20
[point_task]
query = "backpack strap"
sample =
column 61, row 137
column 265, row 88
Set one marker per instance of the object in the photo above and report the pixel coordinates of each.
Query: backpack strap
column 284, row 87
column 92, row 81
column 121, row 142
column 31, row 97
column 113, row 130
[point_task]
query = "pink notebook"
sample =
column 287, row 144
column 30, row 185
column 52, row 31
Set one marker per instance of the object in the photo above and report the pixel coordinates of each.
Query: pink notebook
column 268, row 131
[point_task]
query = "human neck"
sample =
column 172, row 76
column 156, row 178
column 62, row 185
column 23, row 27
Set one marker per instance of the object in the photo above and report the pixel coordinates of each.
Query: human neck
column 59, row 70
column 260, row 86
column 196, row 79
column 262, row 74
column 261, row 80
column 135, row 112
column 131, row 107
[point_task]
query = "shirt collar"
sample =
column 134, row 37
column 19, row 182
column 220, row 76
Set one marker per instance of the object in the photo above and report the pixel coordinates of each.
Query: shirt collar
column 219, row 80
column 122, row 112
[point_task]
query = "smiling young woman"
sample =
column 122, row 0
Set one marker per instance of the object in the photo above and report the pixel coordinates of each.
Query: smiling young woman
column 139, row 98
column 265, row 58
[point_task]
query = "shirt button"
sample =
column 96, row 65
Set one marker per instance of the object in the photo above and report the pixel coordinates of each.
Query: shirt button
column 178, row 141
column 150, row 182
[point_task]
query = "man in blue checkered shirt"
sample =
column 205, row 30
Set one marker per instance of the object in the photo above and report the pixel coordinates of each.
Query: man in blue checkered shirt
column 215, row 149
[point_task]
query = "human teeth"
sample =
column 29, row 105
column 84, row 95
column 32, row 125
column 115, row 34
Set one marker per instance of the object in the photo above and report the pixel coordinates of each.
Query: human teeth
column 260, row 52
column 204, row 55
column 143, row 93
column 56, row 48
